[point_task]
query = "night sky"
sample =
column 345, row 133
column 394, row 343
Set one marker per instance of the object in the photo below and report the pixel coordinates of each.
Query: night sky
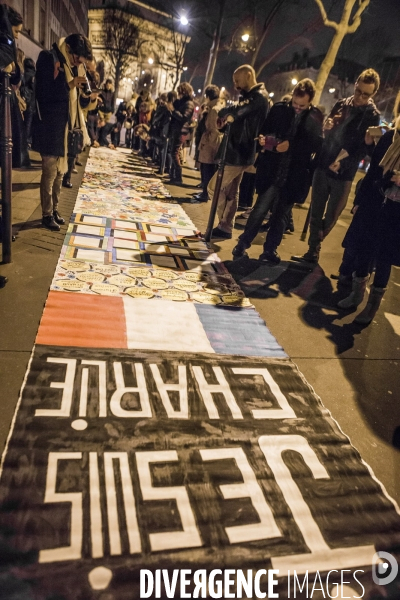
column 376, row 38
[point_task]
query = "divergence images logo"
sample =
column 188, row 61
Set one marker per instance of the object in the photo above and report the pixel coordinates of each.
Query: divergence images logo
column 384, row 572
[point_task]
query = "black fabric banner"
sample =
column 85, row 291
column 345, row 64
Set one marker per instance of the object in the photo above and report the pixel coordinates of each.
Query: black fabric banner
column 128, row 460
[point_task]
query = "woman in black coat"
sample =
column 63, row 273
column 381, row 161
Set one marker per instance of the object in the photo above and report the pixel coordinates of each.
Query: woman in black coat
column 373, row 236
column 181, row 115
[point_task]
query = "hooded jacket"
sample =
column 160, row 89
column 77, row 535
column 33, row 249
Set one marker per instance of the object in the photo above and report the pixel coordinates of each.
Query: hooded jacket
column 249, row 114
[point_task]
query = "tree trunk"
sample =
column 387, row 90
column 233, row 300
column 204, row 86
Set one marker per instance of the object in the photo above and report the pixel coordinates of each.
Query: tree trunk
column 212, row 61
column 116, row 82
column 328, row 62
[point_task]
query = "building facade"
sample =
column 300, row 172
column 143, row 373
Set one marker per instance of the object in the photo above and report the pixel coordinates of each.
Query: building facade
column 46, row 21
column 157, row 62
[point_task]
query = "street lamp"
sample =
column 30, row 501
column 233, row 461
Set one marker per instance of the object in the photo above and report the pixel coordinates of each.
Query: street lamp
column 150, row 60
column 332, row 90
column 245, row 37
column 294, row 81
column 184, row 68
column 199, row 91
column 271, row 94
column 184, row 20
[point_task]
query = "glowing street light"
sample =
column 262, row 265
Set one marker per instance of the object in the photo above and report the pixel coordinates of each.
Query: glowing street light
column 199, row 91
column 150, row 60
column 245, row 37
column 271, row 94
column 185, row 68
column 184, row 20
column 142, row 72
column 332, row 90
column 294, row 81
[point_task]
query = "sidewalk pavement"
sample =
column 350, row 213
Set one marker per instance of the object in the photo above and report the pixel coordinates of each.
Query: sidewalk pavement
column 355, row 371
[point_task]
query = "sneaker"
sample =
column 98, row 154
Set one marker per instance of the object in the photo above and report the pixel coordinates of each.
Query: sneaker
column 219, row 233
column 271, row 257
column 58, row 218
column 66, row 183
column 50, row 223
column 239, row 250
column 309, row 257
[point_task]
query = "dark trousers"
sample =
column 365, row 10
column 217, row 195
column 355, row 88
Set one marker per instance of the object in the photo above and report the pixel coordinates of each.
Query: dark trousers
column 246, row 190
column 279, row 220
column 262, row 206
column 207, row 172
column 93, row 131
column 71, row 165
column 176, row 165
column 383, row 268
column 104, row 132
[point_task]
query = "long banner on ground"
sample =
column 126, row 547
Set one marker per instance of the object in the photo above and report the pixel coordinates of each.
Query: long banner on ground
column 154, row 456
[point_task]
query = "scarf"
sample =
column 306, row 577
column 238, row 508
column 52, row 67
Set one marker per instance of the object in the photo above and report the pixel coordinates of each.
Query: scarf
column 391, row 160
column 75, row 111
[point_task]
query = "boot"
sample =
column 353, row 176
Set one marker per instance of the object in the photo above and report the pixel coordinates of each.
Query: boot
column 357, row 293
column 374, row 301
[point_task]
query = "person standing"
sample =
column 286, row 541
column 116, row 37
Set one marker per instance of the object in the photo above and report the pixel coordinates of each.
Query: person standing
column 181, row 115
column 290, row 137
column 346, row 143
column 374, row 233
column 249, row 114
column 57, row 95
column 210, row 140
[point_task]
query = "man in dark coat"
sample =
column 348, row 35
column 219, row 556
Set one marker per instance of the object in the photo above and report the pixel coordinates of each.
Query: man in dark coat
column 249, row 114
column 55, row 81
column 290, row 136
column 346, row 143
column 181, row 115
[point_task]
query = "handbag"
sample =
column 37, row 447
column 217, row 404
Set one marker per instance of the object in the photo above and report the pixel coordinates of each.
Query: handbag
column 75, row 143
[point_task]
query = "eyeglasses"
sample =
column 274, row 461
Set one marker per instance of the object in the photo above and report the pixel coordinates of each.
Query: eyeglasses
column 363, row 95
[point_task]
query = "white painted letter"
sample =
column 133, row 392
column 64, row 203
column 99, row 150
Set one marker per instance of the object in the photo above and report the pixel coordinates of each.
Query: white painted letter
column 266, row 528
column 180, row 387
column 190, row 536
column 320, row 554
column 284, row 412
column 141, row 389
column 208, row 389
column 102, row 385
column 129, row 503
column 67, row 386
column 74, row 550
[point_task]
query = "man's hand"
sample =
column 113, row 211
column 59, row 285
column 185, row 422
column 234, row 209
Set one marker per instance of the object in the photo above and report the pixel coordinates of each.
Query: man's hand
column 335, row 166
column 282, row 146
column 328, row 124
column 354, row 209
column 9, row 68
column 396, row 178
column 77, row 82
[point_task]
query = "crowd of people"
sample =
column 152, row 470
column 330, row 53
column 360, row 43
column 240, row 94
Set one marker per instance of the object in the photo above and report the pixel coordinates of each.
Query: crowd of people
column 281, row 151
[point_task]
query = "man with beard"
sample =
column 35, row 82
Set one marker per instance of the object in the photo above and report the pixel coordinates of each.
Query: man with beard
column 291, row 135
column 249, row 114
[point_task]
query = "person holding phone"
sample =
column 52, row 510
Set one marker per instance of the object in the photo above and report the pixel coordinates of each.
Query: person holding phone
column 290, row 136
column 346, row 142
column 374, row 233
column 60, row 75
